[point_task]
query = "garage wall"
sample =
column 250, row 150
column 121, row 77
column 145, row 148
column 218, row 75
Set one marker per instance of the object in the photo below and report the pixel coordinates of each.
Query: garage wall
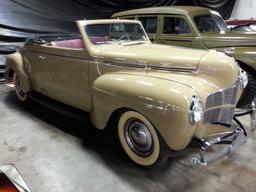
column 58, row 15
column 25, row 18
column 244, row 9
column 224, row 7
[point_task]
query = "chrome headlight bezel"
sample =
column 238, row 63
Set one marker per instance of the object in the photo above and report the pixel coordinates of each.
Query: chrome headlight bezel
column 196, row 110
column 243, row 78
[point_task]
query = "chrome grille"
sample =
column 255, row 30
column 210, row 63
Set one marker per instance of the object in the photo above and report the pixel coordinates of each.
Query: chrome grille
column 221, row 114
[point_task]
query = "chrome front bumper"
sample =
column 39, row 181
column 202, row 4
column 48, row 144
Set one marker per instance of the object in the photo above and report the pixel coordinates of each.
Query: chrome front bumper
column 229, row 142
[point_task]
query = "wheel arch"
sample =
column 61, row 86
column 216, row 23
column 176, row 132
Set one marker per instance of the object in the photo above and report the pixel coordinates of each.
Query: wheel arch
column 110, row 98
column 9, row 75
column 249, row 92
column 14, row 63
column 246, row 67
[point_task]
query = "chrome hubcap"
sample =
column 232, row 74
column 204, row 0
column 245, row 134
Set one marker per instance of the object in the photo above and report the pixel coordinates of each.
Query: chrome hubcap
column 138, row 137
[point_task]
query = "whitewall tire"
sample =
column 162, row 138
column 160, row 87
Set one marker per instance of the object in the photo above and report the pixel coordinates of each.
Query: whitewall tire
column 20, row 92
column 139, row 139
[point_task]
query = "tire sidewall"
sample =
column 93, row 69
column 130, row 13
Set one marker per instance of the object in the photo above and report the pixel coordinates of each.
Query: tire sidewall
column 144, row 161
column 15, row 78
column 249, row 92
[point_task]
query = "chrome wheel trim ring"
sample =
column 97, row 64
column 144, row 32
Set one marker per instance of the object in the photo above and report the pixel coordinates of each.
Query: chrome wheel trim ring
column 138, row 137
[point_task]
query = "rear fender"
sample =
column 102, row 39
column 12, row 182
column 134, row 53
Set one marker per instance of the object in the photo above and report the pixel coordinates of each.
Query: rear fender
column 14, row 62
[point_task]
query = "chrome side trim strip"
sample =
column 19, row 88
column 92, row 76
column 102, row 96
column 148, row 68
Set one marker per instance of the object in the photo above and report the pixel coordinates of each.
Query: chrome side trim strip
column 123, row 64
column 147, row 66
column 59, row 55
column 164, row 67
column 176, row 39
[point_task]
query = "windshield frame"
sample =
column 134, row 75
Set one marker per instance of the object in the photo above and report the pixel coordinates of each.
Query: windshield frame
column 211, row 13
column 115, row 21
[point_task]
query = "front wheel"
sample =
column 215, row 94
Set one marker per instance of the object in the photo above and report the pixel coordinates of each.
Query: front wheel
column 20, row 92
column 139, row 139
column 249, row 92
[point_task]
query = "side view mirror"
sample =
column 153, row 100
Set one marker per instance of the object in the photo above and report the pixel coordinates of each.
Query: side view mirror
column 11, row 180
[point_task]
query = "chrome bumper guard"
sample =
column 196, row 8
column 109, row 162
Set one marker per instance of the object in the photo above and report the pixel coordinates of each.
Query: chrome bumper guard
column 253, row 117
column 234, row 138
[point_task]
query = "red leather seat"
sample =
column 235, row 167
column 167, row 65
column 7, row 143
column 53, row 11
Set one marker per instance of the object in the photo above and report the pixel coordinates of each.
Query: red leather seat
column 98, row 40
column 73, row 43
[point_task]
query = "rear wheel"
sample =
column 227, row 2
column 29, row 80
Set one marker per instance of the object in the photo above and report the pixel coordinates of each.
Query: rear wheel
column 139, row 139
column 20, row 91
column 249, row 92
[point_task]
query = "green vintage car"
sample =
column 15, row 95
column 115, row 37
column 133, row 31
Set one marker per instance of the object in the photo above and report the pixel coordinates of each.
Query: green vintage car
column 199, row 28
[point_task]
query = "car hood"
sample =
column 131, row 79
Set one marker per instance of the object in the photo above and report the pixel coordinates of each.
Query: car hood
column 214, row 70
column 229, row 39
column 153, row 56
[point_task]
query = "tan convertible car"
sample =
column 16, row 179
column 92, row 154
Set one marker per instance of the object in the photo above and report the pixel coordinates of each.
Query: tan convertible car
column 162, row 96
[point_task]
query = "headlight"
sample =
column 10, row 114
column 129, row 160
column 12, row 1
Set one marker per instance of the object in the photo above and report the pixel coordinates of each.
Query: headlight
column 196, row 110
column 243, row 78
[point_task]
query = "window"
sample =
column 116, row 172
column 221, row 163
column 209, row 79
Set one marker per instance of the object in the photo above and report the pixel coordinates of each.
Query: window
column 210, row 23
column 149, row 24
column 129, row 28
column 175, row 25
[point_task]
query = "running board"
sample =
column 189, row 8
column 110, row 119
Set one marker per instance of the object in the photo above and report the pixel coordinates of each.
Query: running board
column 60, row 107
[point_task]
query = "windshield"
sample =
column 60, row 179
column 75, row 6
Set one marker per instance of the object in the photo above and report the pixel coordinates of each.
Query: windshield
column 115, row 33
column 210, row 23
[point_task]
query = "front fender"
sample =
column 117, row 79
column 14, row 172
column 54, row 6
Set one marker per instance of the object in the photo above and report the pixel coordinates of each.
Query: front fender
column 246, row 55
column 163, row 102
column 14, row 62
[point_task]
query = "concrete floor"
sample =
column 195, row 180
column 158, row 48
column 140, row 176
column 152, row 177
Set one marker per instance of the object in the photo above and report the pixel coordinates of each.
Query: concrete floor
column 55, row 153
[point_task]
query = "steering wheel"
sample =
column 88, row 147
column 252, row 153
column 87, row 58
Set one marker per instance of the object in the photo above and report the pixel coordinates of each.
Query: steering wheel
column 123, row 36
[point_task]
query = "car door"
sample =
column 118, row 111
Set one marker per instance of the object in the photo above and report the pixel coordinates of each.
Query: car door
column 33, row 62
column 67, row 76
column 175, row 30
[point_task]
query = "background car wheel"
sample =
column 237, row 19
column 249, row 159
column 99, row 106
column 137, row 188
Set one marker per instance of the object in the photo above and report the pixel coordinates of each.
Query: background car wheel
column 21, row 94
column 140, row 140
column 249, row 93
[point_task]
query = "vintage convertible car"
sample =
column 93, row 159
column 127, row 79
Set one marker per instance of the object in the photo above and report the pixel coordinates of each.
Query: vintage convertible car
column 163, row 96
column 200, row 28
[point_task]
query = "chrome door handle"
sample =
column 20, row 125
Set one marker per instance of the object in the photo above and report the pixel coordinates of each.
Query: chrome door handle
column 41, row 57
